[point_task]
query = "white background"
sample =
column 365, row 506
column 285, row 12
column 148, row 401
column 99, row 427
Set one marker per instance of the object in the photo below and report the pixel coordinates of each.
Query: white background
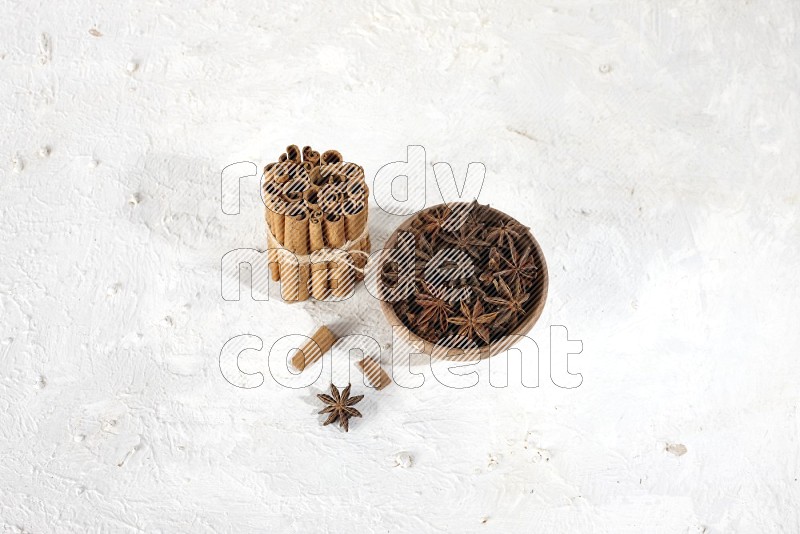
column 652, row 147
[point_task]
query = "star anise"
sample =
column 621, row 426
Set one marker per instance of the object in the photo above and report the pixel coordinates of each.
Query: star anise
column 470, row 214
column 520, row 269
column 432, row 221
column 423, row 252
column 340, row 406
column 510, row 302
column 471, row 282
column 493, row 297
column 491, row 267
column 465, row 240
column 403, row 310
column 473, row 322
column 434, row 309
column 504, row 233
column 390, row 273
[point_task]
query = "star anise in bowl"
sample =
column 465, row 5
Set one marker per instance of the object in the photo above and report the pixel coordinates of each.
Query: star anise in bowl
column 503, row 293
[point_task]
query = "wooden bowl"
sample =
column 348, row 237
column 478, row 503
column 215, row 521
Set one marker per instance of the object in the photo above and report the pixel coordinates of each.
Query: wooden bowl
column 496, row 346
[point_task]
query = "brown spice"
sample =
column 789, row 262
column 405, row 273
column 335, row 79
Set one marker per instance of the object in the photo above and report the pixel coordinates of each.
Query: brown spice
column 473, row 322
column 305, row 193
column 521, row 268
column 481, row 307
column 340, row 407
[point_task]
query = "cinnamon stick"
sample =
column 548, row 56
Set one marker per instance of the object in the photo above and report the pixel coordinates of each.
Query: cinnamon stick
column 281, row 172
column 311, row 198
column 277, row 211
column 355, row 189
column 293, row 189
column 272, row 258
column 320, row 343
column 296, row 230
column 352, row 171
column 269, row 172
column 270, row 189
column 331, row 156
column 319, row 276
column 304, row 277
column 329, row 197
column 290, row 275
column 293, row 153
column 310, row 155
column 300, row 170
column 339, row 173
column 315, row 232
column 316, row 178
column 341, row 276
column 334, row 230
column 354, row 218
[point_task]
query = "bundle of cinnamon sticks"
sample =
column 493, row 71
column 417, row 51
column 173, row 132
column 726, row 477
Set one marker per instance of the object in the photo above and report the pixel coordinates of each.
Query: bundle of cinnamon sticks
column 316, row 216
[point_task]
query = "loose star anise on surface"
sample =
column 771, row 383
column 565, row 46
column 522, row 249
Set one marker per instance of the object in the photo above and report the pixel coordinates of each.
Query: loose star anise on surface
column 473, row 321
column 340, row 406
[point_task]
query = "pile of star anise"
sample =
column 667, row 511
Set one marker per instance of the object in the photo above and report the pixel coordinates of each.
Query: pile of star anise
column 504, row 287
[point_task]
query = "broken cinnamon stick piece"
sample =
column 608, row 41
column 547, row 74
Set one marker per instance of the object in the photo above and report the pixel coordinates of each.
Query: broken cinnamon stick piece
column 375, row 374
column 320, row 343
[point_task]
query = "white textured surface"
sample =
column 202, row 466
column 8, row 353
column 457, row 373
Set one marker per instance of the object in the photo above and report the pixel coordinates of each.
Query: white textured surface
column 651, row 146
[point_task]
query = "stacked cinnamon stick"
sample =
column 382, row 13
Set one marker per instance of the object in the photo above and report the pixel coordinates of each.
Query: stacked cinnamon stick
column 316, row 221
